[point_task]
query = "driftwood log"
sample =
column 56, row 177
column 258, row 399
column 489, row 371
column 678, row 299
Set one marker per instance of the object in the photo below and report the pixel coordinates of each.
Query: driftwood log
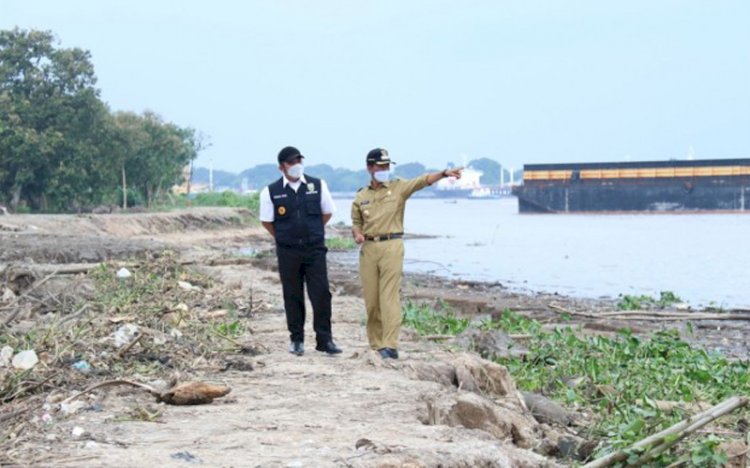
column 654, row 315
column 190, row 393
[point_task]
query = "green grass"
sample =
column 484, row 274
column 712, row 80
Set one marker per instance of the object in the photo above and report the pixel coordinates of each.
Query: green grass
column 226, row 198
column 618, row 379
column 339, row 243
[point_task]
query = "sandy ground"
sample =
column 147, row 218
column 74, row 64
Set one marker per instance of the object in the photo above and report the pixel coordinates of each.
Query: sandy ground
column 353, row 409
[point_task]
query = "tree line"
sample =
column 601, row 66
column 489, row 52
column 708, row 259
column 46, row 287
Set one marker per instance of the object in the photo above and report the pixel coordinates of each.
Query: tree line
column 343, row 180
column 63, row 149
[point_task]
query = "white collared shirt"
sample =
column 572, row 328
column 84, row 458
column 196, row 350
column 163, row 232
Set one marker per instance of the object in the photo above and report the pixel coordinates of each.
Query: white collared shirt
column 266, row 214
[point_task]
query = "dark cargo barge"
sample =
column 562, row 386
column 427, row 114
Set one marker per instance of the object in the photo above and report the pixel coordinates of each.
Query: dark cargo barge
column 650, row 186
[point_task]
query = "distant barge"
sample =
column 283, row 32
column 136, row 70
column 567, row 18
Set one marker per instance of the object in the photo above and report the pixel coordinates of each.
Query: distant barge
column 651, row 186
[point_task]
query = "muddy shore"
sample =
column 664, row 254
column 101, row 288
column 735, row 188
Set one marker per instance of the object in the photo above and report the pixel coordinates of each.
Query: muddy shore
column 353, row 410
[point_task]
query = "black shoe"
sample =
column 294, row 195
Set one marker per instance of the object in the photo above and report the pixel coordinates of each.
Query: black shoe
column 328, row 347
column 297, row 347
column 393, row 352
column 384, row 353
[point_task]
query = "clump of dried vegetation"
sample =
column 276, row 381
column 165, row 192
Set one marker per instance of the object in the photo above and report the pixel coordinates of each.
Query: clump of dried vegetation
column 158, row 321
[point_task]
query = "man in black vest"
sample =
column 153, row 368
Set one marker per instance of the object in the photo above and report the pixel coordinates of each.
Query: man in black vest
column 295, row 210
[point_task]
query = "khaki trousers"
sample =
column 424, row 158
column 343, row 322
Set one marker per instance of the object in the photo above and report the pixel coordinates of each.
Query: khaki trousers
column 381, row 265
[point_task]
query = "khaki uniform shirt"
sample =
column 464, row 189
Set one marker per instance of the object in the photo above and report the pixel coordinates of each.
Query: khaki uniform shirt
column 381, row 211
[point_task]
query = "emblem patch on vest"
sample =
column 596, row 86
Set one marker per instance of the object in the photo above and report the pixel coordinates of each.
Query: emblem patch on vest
column 282, row 211
column 310, row 187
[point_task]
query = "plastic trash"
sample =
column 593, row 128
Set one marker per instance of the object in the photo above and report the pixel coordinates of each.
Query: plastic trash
column 185, row 456
column 78, row 431
column 8, row 295
column 123, row 273
column 125, row 334
column 6, row 354
column 25, row 360
column 187, row 286
column 72, row 407
column 82, row 366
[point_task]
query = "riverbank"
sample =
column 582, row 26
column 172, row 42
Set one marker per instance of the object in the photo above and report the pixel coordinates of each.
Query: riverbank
column 436, row 405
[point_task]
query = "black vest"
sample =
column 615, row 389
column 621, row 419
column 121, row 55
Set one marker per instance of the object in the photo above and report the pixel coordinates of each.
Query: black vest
column 298, row 219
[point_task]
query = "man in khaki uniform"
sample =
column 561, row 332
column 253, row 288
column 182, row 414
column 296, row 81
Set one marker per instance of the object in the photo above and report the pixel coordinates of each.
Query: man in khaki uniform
column 378, row 225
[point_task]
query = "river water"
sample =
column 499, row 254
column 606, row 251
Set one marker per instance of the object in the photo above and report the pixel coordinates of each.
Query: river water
column 704, row 259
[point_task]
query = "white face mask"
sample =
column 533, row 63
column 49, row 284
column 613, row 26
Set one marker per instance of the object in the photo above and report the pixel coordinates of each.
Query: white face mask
column 296, row 171
column 382, row 176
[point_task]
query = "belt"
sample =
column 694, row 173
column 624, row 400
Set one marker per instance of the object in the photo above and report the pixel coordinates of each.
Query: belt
column 385, row 237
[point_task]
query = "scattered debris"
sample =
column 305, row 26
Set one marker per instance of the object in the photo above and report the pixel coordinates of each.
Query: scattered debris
column 25, row 360
column 185, row 456
column 123, row 273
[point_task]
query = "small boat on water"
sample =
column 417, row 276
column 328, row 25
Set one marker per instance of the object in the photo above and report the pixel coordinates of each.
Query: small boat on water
column 710, row 185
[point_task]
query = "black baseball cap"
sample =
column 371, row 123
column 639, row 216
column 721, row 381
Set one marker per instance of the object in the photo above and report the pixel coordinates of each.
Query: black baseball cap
column 289, row 153
column 379, row 156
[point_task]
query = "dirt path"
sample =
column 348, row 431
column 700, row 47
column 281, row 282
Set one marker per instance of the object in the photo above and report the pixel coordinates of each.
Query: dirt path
column 298, row 411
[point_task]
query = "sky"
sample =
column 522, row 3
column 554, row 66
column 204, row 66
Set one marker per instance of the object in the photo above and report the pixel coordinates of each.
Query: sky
column 433, row 81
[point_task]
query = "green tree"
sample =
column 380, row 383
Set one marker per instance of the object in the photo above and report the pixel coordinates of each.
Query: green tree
column 49, row 113
column 162, row 151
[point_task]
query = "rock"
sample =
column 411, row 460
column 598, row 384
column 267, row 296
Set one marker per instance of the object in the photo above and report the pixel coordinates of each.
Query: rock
column 440, row 372
column 78, row 431
column 25, row 360
column 490, row 343
column 468, row 372
column 545, row 410
column 479, row 375
column 473, row 411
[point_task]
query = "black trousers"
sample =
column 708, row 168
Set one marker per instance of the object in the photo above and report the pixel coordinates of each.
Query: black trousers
column 299, row 266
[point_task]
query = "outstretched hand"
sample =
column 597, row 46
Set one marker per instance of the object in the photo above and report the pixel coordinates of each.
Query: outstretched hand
column 454, row 172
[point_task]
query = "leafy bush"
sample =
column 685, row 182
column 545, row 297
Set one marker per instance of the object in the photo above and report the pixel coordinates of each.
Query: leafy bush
column 428, row 321
column 618, row 379
column 666, row 298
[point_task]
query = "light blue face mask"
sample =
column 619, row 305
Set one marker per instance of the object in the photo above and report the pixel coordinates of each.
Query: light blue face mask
column 382, row 176
column 296, row 171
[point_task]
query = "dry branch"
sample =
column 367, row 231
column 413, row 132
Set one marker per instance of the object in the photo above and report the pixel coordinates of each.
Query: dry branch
column 15, row 301
column 127, row 347
column 658, row 443
column 655, row 315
